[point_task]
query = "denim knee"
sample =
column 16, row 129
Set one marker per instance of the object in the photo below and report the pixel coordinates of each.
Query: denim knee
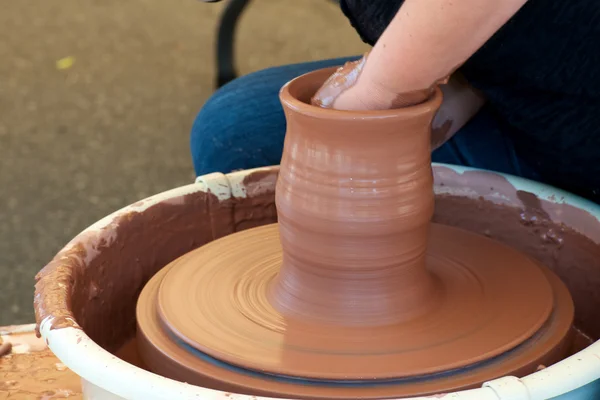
column 241, row 126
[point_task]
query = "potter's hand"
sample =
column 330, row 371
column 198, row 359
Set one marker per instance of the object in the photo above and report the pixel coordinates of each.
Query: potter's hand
column 424, row 44
column 349, row 89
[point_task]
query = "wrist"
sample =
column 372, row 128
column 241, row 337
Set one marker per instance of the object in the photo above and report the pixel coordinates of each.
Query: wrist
column 395, row 96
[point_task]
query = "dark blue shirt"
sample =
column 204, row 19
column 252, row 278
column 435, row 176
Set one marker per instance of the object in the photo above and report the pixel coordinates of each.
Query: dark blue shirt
column 541, row 75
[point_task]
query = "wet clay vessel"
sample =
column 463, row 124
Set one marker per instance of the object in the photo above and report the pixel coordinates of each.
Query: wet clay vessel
column 354, row 293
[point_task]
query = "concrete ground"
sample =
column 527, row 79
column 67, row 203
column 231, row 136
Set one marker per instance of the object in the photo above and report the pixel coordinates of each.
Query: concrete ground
column 97, row 98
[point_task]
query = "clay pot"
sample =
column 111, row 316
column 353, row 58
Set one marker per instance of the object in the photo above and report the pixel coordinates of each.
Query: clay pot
column 354, row 201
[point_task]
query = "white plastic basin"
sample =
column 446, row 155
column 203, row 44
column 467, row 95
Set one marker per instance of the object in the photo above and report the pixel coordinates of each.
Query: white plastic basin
column 105, row 376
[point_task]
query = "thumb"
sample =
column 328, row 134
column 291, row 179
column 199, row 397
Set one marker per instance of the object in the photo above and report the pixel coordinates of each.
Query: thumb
column 342, row 79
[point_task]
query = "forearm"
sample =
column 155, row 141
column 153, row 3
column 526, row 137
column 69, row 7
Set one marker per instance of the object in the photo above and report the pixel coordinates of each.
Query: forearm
column 461, row 103
column 429, row 39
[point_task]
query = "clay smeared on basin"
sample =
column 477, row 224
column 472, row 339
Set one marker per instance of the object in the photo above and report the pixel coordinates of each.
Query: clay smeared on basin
column 94, row 282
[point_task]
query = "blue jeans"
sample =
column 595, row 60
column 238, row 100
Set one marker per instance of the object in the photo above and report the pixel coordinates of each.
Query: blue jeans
column 242, row 126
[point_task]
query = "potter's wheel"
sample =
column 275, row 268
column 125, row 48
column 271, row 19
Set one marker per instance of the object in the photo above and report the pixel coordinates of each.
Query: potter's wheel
column 217, row 317
column 355, row 293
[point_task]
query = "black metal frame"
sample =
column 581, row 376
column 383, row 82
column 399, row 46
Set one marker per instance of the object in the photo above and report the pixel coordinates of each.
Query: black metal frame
column 225, row 51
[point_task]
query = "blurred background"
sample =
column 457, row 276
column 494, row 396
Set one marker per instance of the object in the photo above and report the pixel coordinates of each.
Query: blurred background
column 97, row 98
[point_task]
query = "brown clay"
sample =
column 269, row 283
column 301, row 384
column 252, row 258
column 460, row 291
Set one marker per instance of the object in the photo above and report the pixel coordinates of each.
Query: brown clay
column 354, row 292
column 129, row 352
column 354, row 201
column 477, row 319
column 168, row 357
